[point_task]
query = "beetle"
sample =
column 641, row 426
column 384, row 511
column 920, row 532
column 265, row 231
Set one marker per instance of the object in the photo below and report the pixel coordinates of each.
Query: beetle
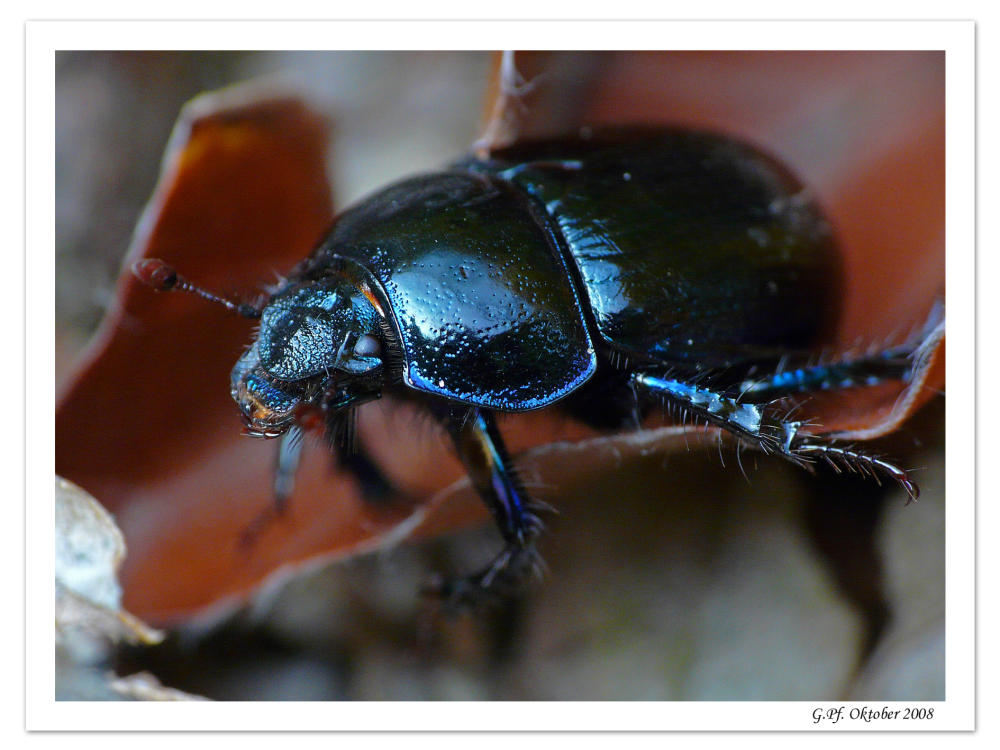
column 606, row 274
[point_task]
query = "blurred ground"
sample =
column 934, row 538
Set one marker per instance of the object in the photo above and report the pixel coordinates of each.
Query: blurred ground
column 674, row 578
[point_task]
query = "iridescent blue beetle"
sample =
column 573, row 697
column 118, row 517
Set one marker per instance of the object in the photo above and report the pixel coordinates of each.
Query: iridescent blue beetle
column 603, row 274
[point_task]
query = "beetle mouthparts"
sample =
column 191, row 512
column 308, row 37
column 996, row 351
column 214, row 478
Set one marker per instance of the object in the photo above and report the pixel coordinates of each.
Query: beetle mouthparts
column 251, row 430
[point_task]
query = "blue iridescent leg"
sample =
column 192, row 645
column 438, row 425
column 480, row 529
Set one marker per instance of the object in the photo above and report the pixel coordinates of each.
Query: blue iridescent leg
column 744, row 420
column 891, row 364
column 289, row 455
column 480, row 446
column 754, row 425
column 374, row 486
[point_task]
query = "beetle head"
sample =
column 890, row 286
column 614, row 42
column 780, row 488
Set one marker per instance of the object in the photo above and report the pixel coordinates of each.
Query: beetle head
column 319, row 327
column 319, row 345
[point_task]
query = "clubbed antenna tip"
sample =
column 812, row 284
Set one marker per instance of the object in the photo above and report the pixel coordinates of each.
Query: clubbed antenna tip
column 155, row 273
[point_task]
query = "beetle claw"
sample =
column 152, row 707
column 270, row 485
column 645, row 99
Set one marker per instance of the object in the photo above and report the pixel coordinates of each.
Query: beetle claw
column 501, row 578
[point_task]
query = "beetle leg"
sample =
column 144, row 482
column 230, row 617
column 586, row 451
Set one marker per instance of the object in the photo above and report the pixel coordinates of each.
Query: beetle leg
column 373, row 484
column 891, row 364
column 845, row 458
column 342, row 439
column 745, row 420
column 289, row 456
column 751, row 423
column 480, row 446
column 375, row 487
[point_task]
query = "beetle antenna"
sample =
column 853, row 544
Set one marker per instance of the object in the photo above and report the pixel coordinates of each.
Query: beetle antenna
column 163, row 278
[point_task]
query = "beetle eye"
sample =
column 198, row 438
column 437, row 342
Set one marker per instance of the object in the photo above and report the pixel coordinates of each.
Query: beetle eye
column 367, row 346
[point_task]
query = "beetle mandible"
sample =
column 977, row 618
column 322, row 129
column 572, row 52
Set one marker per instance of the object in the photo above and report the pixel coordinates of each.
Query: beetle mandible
column 603, row 274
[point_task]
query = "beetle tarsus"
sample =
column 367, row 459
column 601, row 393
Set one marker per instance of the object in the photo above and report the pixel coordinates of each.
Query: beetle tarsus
column 504, row 576
column 753, row 425
column 846, row 458
column 843, row 458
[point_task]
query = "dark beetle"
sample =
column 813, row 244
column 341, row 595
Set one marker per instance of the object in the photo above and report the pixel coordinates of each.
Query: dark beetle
column 606, row 273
